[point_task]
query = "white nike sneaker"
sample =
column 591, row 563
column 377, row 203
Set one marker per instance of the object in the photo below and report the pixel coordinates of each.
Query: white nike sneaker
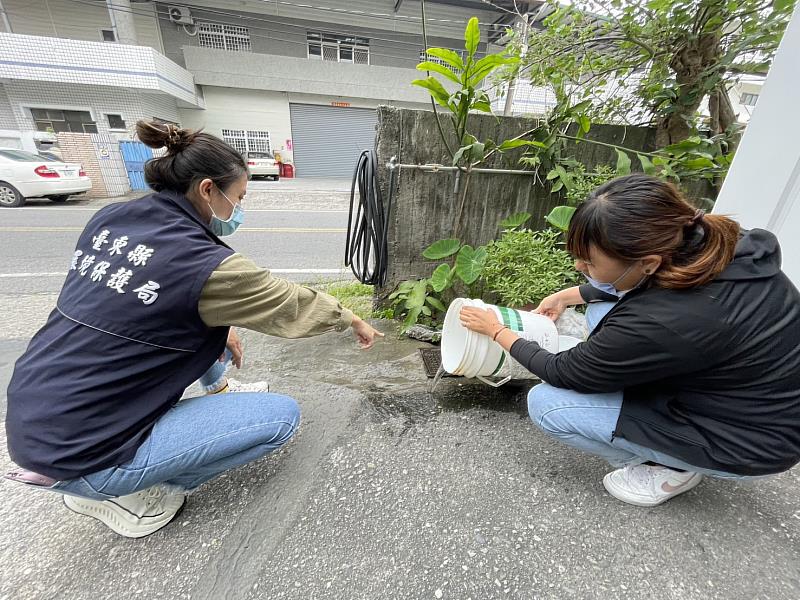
column 132, row 516
column 237, row 386
column 649, row 485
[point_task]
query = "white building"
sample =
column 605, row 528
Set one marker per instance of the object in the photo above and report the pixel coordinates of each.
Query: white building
column 298, row 78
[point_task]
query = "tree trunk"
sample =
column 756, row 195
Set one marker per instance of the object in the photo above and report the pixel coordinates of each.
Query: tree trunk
column 689, row 64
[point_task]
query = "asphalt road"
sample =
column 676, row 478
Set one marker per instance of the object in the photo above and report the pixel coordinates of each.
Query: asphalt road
column 300, row 244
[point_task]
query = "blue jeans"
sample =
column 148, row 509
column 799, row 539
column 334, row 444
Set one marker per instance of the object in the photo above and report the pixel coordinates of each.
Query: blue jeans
column 196, row 440
column 587, row 421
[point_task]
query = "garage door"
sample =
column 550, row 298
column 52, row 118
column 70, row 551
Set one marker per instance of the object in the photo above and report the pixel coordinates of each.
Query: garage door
column 326, row 140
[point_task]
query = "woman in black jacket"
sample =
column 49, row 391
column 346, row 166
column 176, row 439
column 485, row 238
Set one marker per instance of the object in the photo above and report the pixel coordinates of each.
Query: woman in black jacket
column 692, row 367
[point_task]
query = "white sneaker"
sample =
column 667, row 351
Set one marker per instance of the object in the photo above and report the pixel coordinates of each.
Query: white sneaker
column 237, row 386
column 649, row 485
column 132, row 516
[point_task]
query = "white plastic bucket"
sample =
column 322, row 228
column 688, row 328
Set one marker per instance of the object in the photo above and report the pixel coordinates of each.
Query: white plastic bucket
column 474, row 355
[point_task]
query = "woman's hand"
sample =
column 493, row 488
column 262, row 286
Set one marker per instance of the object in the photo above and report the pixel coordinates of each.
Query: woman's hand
column 365, row 333
column 480, row 320
column 553, row 306
column 236, row 349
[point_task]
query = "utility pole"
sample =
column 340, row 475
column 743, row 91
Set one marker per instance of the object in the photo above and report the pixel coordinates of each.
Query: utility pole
column 522, row 24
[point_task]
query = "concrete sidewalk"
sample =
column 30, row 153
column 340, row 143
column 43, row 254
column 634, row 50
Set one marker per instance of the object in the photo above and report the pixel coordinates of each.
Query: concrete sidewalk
column 389, row 491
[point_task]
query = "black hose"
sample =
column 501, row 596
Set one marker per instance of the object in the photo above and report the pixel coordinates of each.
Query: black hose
column 367, row 248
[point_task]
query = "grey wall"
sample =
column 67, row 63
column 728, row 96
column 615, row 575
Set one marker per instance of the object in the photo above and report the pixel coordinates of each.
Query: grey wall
column 424, row 208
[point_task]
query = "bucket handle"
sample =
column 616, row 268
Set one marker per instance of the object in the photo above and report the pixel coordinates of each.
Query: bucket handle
column 494, row 384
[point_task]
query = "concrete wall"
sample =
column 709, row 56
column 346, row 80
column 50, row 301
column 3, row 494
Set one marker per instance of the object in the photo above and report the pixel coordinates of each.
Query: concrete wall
column 424, row 208
column 300, row 75
column 255, row 110
column 78, row 21
column 98, row 100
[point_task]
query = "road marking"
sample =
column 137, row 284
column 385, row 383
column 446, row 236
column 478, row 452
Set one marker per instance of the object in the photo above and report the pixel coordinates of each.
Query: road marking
column 250, row 210
column 242, row 229
column 341, row 271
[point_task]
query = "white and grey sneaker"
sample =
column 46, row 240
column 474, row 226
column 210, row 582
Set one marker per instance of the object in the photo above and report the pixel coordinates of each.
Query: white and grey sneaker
column 649, row 485
column 235, row 386
column 132, row 516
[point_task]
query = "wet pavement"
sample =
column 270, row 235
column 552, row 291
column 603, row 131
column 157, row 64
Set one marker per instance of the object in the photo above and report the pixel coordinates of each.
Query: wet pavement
column 389, row 491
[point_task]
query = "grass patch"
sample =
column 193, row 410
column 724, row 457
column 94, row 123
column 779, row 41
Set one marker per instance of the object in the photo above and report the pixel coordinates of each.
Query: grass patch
column 355, row 296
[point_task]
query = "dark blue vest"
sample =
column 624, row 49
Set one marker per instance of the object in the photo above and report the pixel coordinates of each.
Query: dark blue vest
column 123, row 343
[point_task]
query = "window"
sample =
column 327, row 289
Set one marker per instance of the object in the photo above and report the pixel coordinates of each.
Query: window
column 108, row 35
column 247, row 141
column 224, row 37
column 425, row 57
column 749, row 99
column 116, row 122
column 338, row 48
column 56, row 120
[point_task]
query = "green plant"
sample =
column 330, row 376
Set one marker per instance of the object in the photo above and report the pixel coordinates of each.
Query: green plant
column 355, row 296
column 655, row 62
column 525, row 266
column 424, row 299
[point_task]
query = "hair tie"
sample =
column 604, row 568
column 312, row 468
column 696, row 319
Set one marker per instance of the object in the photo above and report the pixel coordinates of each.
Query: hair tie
column 173, row 135
column 697, row 218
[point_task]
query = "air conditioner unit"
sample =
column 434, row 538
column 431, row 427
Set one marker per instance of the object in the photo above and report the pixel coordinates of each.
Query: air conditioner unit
column 180, row 15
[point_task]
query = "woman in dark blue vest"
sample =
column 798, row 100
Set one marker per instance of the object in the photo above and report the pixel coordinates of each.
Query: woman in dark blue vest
column 145, row 310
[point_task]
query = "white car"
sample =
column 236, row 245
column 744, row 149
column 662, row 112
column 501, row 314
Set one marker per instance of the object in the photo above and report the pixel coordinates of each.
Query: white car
column 262, row 164
column 27, row 175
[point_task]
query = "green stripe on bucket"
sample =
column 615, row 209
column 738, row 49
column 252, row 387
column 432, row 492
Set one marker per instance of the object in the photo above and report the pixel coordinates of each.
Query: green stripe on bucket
column 506, row 316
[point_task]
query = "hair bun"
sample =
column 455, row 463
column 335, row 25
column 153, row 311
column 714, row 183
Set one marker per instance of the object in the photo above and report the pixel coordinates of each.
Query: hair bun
column 164, row 135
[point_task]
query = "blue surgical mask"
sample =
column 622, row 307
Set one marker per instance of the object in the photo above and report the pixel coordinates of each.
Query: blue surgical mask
column 610, row 288
column 223, row 227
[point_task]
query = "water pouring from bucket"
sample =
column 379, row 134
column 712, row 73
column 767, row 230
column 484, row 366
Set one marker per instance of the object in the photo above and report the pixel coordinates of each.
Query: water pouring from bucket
column 475, row 355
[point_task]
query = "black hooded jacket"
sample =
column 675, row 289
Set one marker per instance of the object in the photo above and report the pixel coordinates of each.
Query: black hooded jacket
column 710, row 375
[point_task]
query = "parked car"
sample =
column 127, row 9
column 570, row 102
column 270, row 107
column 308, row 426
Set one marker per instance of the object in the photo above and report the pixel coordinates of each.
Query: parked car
column 262, row 164
column 51, row 156
column 27, row 175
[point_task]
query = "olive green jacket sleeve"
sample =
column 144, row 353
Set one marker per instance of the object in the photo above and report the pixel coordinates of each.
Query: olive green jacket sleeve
column 239, row 293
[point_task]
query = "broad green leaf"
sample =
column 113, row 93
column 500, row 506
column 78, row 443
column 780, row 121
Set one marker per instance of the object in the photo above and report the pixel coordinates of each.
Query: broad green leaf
column 472, row 36
column 623, row 163
column 436, row 89
column 411, row 318
column 647, row 166
column 441, row 69
column 441, row 249
column 477, row 151
column 487, row 64
column 557, row 186
column 449, row 56
column 469, row 263
column 482, row 106
column 436, row 303
column 426, row 311
column 417, row 297
column 783, row 5
column 515, row 221
column 585, row 123
column 440, row 278
column 460, row 154
column 552, row 175
column 560, row 217
column 511, row 144
column 698, row 163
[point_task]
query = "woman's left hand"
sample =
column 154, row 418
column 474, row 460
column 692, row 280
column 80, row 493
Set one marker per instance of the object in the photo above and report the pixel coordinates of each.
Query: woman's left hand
column 365, row 333
column 480, row 320
column 236, row 349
